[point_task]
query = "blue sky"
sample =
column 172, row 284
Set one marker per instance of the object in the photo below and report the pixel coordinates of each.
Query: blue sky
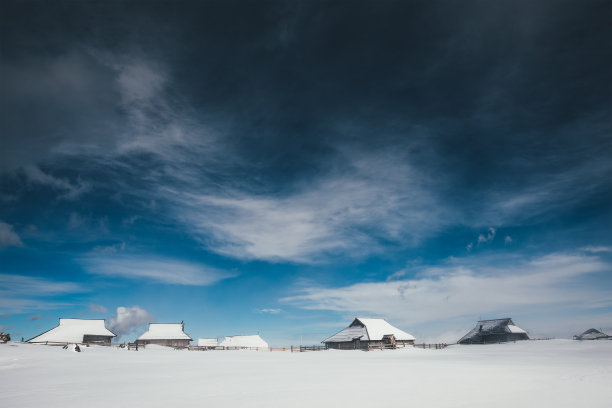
column 282, row 167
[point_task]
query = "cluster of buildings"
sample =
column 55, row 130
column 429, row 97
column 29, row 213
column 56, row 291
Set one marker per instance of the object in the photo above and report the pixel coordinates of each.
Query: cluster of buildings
column 362, row 333
column 94, row 331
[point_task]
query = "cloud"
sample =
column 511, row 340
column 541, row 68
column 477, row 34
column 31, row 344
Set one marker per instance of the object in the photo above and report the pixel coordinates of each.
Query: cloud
column 508, row 240
column 128, row 319
column 398, row 274
column 376, row 199
column 139, row 81
column 35, row 317
column 69, row 190
column 28, row 285
column 154, row 269
column 19, row 294
column 545, row 195
column 75, row 221
column 269, row 311
column 357, row 201
column 489, row 237
column 470, row 288
column 469, row 247
column 97, row 308
column 8, row 237
column 597, row 249
column 109, row 249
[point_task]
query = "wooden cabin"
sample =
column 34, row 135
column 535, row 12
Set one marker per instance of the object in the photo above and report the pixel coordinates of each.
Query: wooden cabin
column 494, row 331
column 593, row 334
column 165, row 334
column 88, row 331
column 366, row 333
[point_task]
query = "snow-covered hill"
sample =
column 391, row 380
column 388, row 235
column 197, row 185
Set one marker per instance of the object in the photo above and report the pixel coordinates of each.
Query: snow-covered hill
column 554, row 373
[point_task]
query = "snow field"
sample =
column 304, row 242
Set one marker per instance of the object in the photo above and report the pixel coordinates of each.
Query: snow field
column 554, row 373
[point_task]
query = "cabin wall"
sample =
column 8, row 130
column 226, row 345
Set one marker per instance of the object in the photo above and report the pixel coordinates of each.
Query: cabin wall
column 363, row 345
column 165, row 342
column 495, row 338
column 101, row 340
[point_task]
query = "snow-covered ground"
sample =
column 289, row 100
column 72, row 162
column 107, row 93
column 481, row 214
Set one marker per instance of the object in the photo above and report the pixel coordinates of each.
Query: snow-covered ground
column 554, row 373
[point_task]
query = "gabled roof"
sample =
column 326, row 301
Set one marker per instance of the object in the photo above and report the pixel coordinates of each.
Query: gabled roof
column 73, row 330
column 244, row 341
column 207, row 342
column 165, row 331
column 493, row 326
column 592, row 334
column 367, row 329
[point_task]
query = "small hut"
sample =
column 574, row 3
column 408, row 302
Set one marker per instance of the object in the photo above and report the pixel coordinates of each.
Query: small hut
column 89, row 331
column 207, row 343
column 494, row 331
column 593, row 334
column 243, row 342
column 364, row 333
column 165, row 334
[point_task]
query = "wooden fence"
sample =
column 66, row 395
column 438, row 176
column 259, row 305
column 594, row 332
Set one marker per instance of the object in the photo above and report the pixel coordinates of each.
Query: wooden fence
column 293, row 349
column 437, row 346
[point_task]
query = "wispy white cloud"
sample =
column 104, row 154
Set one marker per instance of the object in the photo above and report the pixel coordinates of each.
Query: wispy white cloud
column 469, row 288
column 351, row 212
column 154, row 269
column 140, row 81
column 8, row 237
column 109, row 249
column 97, row 308
column 69, row 191
column 487, row 238
column 75, row 221
column 269, row 311
column 28, row 285
column 127, row 319
column 544, row 194
column 397, row 274
column 363, row 200
column 19, row 294
column 597, row 249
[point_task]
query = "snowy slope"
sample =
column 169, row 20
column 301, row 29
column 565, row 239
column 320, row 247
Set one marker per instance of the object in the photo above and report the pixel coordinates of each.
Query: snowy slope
column 554, row 373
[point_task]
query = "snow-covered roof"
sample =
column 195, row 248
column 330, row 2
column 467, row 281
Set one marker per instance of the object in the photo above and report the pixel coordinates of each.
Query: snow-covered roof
column 207, row 342
column 243, row 341
column 368, row 329
column 515, row 329
column 165, row 331
column 593, row 334
column 493, row 326
column 73, row 330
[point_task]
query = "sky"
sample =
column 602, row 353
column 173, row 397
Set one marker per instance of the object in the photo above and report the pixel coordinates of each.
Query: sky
column 281, row 167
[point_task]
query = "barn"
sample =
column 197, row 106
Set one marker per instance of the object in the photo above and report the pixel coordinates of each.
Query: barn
column 494, row 331
column 593, row 334
column 365, row 333
column 165, row 334
column 89, row 331
column 243, row 342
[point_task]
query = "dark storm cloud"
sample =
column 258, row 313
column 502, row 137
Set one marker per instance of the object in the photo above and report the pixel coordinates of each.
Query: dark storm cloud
column 402, row 117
